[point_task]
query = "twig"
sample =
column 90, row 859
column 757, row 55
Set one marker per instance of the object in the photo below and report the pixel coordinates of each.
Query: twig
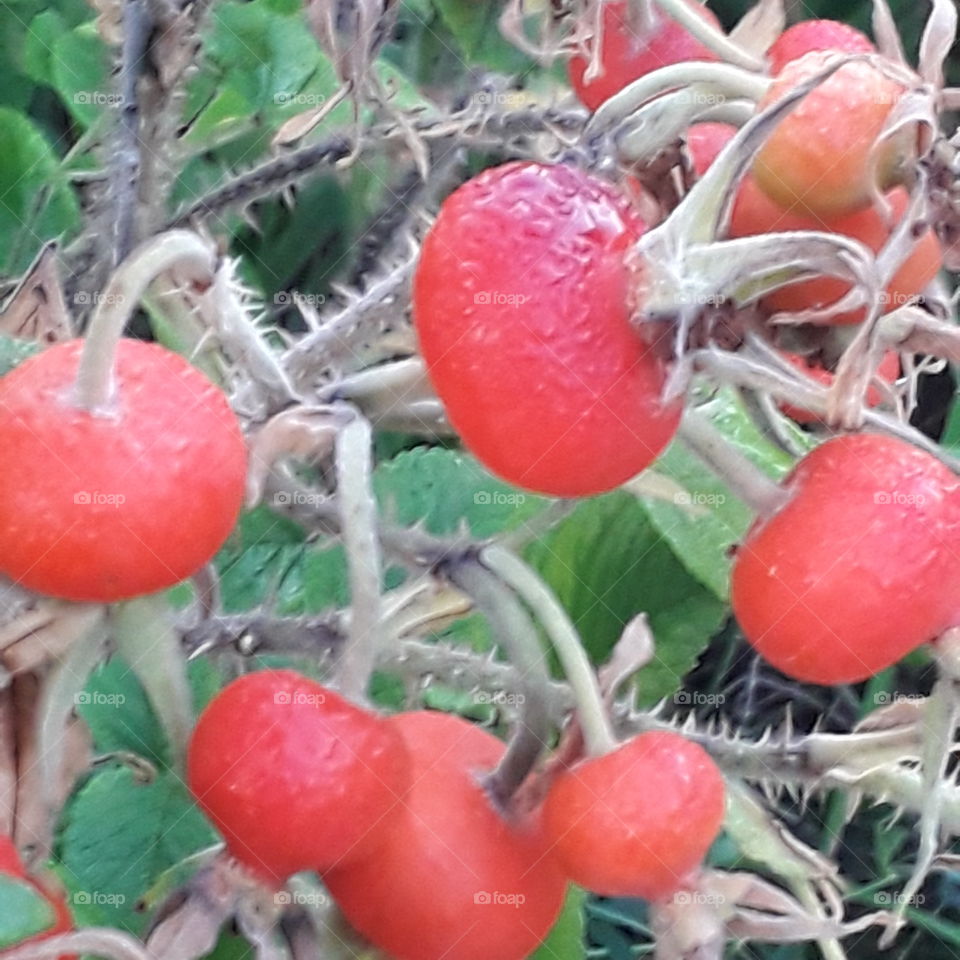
column 358, row 519
column 126, row 160
column 515, row 634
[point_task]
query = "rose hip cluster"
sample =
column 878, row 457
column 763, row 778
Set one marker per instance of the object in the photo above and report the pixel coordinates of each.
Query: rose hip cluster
column 393, row 812
column 557, row 388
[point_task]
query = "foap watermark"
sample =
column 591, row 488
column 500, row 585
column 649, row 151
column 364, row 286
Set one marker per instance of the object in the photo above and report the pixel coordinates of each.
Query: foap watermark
column 300, row 898
column 286, row 298
column 299, row 698
column 96, row 498
column 698, row 897
column 897, row 499
column 91, row 698
column 888, row 898
column 497, row 298
column 888, row 699
column 497, row 498
column 500, row 699
column 98, row 898
column 299, row 99
column 694, row 698
column 512, row 99
column 298, row 498
column 98, row 98
column 87, row 298
column 495, row 898
column 698, row 498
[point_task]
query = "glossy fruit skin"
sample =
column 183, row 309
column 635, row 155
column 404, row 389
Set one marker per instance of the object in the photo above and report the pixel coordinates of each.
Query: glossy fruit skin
column 440, row 886
column 637, row 821
column 818, row 155
column 754, row 213
column 811, row 35
column 294, row 776
column 12, row 866
column 521, row 303
column 627, row 56
column 888, row 371
column 101, row 507
column 858, row 568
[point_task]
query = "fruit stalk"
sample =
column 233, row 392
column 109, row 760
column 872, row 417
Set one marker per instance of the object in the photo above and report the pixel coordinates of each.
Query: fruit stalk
column 753, row 486
column 196, row 262
column 597, row 730
column 514, row 632
column 358, row 517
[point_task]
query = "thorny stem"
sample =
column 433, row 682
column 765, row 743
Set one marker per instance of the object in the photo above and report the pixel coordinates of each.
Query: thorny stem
column 125, row 176
column 195, row 260
column 515, row 634
column 358, row 520
column 743, row 371
column 750, row 483
column 597, row 731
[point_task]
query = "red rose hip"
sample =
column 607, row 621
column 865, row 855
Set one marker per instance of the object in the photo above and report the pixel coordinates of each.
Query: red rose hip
column 105, row 505
column 637, row 821
column 294, row 776
column 455, row 879
column 858, row 568
column 523, row 306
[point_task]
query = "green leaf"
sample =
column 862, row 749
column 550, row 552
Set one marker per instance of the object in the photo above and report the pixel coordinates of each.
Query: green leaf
column 264, row 56
column 475, row 26
column 446, row 488
column 118, row 835
column 44, row 31
column 23, row 912
column 707, row 519
column 607, row 562
column 13, row 352
column 36, row 203
column 80, row 74
column 566, row 940
column 118, row 713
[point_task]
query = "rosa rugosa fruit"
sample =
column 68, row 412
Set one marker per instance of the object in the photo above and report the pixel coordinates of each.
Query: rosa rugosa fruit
column 637, row 821
column 888, row 371
column 810, row 35
column 754, row 213
column 294, row 776
column 819, row 156
column 105, row 505
column 858, row 568
column 455, row 879
column 528, row 340
column 626, row 54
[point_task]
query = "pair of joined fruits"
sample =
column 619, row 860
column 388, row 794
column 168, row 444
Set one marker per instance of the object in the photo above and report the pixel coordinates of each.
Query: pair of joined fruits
column 393, row 812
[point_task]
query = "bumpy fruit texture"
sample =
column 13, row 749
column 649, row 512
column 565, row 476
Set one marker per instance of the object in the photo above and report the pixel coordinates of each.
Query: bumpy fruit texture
column 109, row 505
column 811, row 35
column 861, row 566
column 12, row 866
column 294, row 776
column 754, row 213
column 627, row 53
column 637, row 821
column 454, row 879
column 522, row 306
column 818, row 157
column 888, row 371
